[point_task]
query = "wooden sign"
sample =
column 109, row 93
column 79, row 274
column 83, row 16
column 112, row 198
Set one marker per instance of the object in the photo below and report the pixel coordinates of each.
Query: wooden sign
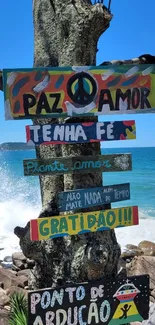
column 88, row 197
column 78, row 164
column 80, row 223
column 75, row 91
column 109, row 302
column 80, row 132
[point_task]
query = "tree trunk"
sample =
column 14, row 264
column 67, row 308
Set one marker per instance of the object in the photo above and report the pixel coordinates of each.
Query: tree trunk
column 66, row 34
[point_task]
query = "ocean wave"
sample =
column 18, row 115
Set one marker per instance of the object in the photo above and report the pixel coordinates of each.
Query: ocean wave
column 16, row 213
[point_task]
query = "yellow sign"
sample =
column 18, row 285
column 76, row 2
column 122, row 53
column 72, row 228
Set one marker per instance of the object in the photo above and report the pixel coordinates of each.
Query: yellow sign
column 80, row 223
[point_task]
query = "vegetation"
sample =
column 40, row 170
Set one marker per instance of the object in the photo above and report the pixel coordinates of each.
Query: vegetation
column 18, row 310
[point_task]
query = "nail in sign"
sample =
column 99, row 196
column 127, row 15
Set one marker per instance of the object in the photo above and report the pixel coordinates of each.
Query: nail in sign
column 81, row 223
column 80, row 132
column 107, row 302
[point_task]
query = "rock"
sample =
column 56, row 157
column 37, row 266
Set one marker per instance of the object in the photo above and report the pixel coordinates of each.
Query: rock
column 8, row 278
column 152, row 299
column 25, row 272
column 1, row 285
column 14, row 289
column 19, row 256
column 15, row 268
column 8, row 259
column 30, row 263
column 4, row 314
column 151, row 320
column 23, row 280
column 4, row 299
column 153, row 293
column 130, row 253
column 6, row 265
column 130, row 246
column 147, row 247
column 143, row 265
column 19, row 264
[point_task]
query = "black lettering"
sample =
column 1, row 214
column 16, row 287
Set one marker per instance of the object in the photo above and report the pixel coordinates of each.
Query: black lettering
column 103, row 101
column 57, row 97
column 144, row 101
column 135, row 98
column 43, row 104
column 123, row 96
column 28, row 102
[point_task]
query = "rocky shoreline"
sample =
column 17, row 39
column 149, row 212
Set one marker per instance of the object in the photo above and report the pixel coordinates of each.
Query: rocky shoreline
column 15, row 270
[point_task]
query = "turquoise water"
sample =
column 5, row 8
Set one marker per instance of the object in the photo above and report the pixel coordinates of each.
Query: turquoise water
column 20, row 196
column 14, row 186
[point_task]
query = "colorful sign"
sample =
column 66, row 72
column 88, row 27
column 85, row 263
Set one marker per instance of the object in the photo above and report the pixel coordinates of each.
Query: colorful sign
column 75, row 91
column 112, row 301
column 80, row 132
column 78, row 164
column 80, row 223
column 88, row 197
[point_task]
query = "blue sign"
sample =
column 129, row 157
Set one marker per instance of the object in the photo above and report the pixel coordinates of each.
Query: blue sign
column 84, row 198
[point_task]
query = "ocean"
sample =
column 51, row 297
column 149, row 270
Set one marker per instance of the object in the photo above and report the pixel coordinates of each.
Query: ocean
column 20, row 198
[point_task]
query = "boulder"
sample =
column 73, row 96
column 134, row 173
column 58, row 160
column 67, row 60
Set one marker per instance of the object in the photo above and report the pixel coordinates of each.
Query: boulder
column 8, row 259
column 130, row 253
column 4, row 314
column 131, row 246
column 25, row 272
column 143, row 265
column 30, row 263
column 147, row 247
column 14, row 289
column 4, row 299
column 18, row 260
column 8, row 278
column 19, row 256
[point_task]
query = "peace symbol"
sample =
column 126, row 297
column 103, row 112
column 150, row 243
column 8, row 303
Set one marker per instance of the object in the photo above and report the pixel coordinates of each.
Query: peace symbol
column 81, row 95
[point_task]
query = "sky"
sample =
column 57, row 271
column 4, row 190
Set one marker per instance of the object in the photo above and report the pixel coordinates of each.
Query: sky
column 130, row 35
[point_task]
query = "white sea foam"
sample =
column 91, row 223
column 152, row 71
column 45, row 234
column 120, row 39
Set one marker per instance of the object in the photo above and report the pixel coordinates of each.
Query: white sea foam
column 15, row 213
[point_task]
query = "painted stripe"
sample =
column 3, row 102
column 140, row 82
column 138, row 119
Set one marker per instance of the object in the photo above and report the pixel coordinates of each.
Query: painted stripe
column 34, row 234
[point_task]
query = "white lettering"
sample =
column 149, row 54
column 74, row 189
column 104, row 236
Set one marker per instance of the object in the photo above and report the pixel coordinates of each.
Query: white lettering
column 70, row 292
column 59, row 133
column 104, row 304
column 110, row 131
column 57, row 296
column 81, row 322
column 99, row 131
column 93, row 312
column 49, row 318
column 38, row 321
column 64, row 314
column 35, row 299
column 35, row 129
column 69, row 132
column 79, row 132
column 45, row 300
column 46, row 132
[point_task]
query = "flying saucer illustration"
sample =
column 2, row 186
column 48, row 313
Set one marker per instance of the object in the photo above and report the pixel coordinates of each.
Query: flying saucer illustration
column 126, row 310
column 127, row 292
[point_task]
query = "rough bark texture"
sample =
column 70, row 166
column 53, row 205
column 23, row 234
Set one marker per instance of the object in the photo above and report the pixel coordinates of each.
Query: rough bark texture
column 66, row 33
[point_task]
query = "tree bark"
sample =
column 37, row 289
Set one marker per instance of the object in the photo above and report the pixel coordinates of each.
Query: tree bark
column 66, row 34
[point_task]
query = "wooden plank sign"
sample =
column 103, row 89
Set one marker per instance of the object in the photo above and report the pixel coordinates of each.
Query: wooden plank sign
column 76, row 91
column 80, row 223
column 109, row 302
column 78, row 164
column 80, row 132
column 88, row 197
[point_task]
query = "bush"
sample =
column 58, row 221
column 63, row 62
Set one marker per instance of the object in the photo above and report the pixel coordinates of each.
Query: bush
column 18, row 310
